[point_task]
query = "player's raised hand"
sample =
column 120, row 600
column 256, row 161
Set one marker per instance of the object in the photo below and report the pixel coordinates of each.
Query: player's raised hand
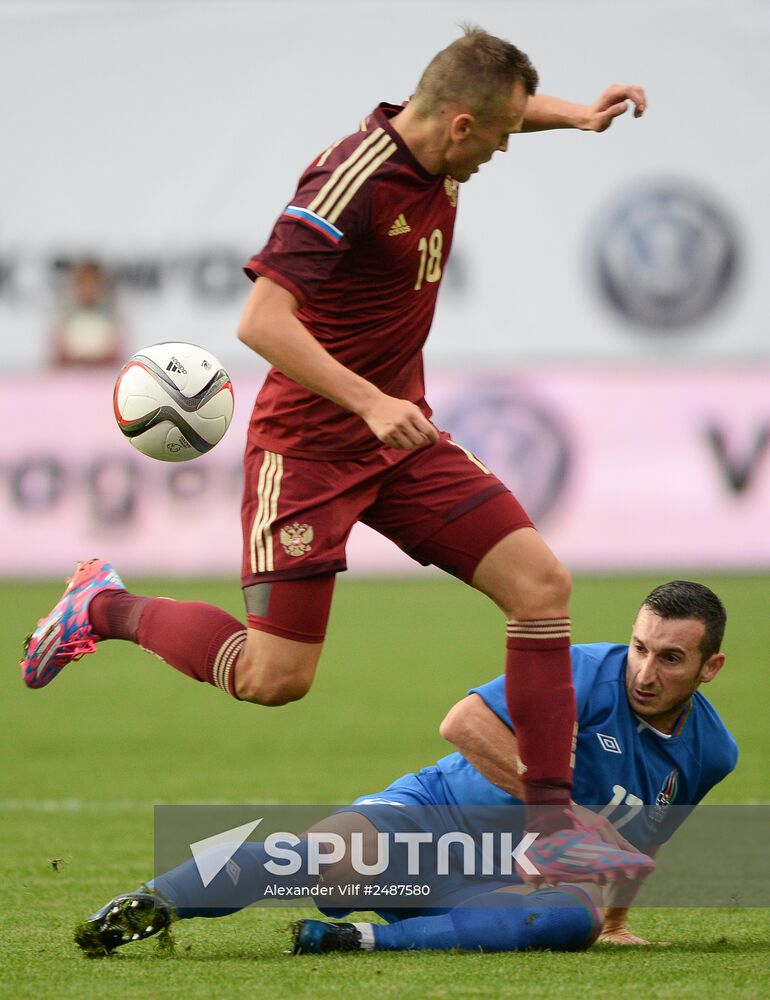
column 399, row 423
column 614, row 102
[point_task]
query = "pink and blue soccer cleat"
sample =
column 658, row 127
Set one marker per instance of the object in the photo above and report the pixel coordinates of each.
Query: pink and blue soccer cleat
column 65, row 634
column 580, row 855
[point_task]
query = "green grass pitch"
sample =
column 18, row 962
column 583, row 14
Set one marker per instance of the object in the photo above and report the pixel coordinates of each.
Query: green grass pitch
column 84, row 760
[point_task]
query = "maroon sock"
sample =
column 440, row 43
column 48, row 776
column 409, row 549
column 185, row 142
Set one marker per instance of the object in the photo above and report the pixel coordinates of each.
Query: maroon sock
column 115, row 614
column 541, row 703
column 198, row 639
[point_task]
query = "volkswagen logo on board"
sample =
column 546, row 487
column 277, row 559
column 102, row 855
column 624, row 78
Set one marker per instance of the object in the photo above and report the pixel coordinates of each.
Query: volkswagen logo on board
column 666, row 254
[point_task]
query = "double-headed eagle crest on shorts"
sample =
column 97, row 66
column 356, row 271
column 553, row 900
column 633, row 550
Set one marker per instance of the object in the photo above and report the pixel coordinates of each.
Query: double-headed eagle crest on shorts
column 296, row 539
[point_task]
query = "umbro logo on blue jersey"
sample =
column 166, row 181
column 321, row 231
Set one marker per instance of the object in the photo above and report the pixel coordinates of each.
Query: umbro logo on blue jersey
column 609, row 743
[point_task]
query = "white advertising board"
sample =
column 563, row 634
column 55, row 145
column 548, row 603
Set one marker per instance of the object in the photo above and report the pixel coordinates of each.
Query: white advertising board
column 164, row 139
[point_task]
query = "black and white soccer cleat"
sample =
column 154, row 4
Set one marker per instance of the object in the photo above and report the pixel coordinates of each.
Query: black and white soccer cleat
column 314, row 937
column 131, row 917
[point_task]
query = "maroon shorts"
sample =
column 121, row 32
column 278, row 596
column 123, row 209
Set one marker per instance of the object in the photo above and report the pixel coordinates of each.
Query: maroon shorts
column 297, row 514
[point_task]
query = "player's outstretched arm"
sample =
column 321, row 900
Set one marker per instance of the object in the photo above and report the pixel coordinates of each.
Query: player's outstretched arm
column 615, row 929
column 270, row 327
column 486, row 742
column 546, row 112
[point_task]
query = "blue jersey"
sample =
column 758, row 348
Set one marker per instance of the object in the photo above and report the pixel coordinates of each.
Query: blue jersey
column 621, row 764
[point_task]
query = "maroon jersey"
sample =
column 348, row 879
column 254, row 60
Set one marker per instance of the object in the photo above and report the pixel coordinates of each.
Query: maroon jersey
column 362, row 247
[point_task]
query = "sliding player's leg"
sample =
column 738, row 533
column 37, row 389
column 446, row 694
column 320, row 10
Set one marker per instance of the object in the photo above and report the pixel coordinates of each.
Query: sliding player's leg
column 180, row 894
column 566, row 918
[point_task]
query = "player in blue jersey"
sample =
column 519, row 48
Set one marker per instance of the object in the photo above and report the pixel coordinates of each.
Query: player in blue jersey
column 646, row 737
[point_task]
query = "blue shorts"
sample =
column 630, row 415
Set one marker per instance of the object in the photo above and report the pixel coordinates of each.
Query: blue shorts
column 417, row 803
column 421, row 789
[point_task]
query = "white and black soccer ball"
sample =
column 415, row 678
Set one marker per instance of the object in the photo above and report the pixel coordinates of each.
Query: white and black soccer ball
column 173, row 401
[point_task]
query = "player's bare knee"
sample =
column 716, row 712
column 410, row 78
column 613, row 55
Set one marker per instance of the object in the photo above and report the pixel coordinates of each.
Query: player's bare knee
column 274, row 671
column 271, row 684
column 282, row 691
column 546, row 595
column 559, row 584
column 272, row 691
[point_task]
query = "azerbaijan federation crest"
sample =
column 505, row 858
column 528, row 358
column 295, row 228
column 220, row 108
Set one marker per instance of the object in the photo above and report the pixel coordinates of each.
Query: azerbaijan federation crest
column 665, row 796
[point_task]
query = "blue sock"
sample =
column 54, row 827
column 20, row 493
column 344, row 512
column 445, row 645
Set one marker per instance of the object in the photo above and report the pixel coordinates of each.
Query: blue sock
column 556, row 919
column 417, row 934
column 242, row 881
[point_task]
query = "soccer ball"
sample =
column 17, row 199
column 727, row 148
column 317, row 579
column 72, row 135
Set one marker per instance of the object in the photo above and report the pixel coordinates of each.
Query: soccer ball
column 173, row 401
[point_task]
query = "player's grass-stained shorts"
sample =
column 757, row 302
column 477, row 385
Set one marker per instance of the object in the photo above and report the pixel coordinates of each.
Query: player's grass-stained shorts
column 440, row 504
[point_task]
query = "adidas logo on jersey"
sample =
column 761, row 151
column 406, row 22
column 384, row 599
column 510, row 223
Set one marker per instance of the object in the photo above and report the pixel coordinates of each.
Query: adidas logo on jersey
column 400, row 226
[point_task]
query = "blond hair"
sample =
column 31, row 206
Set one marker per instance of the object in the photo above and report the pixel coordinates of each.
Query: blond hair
column 478, row 70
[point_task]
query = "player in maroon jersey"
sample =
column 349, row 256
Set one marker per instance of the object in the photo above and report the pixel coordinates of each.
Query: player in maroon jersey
column 343, row 298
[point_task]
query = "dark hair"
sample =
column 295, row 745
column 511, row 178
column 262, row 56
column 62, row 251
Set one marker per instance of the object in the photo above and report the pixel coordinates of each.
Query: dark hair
column 684, row 599
column 478, row 68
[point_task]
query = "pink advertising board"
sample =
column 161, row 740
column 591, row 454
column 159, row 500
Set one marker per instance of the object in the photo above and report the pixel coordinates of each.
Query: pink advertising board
column 622, row 470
